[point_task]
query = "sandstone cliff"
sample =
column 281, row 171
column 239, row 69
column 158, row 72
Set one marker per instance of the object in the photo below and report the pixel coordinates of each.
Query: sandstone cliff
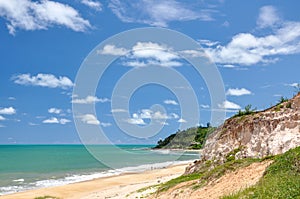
column 269, row 132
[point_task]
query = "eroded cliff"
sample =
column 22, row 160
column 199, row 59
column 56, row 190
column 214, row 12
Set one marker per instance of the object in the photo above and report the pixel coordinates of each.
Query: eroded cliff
column 269, row 132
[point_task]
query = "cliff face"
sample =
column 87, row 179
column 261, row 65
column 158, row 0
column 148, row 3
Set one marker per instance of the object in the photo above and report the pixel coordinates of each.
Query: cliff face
column 270, row 132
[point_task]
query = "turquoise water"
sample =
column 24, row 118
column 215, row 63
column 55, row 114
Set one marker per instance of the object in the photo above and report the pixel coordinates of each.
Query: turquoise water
column 24, row 167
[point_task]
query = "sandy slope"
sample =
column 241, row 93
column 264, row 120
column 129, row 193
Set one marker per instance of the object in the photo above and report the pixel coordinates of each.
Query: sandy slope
column 227, row 184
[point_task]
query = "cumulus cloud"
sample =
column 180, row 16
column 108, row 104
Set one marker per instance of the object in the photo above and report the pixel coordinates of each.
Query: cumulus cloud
column 238, row 92
column 249, row 49
column 173, row 116
column 157, row 13
column 293, row 84
column 137, row 121
column 181, row 120
column 229, row 105
column 228, row 66
column 43, row 80
column 64, row 121
column 139, row 117
column 156, row 115
column 143, row 54
column 90, row 119
column 111, row 49
column 54, row 120
column 89, row 100
column 105, row 124
column 54, row 110
column 7, row 111
column 2, row 118
column 40, row 15
column 204, row 106
column 172, row 102
column 208, row 43
column 118, row 110
column 268, row 17
column 96, row 5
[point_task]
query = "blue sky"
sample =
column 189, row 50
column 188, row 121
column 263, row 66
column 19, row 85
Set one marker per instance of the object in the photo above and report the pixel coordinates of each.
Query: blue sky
column 254, row 44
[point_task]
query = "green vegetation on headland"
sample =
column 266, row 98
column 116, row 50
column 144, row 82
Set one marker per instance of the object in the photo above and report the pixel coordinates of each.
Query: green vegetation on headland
column 192, row 138
column 281, row 179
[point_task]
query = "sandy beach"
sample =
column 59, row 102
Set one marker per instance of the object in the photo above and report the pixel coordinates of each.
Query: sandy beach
column 121, row 186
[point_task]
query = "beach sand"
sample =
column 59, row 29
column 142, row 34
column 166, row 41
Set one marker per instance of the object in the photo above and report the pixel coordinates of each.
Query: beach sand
column 121, row 186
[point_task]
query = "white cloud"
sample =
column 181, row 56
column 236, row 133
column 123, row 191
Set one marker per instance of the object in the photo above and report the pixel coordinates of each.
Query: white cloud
column 157, row 13
column 193, row 53
column 110, row 49
column 154, row 53
column 229, row 105
column 228, row 66
column 293, row 84
column 238, row 92
column 181, row 120
column 172, row 102
column 7, row 111
column 268, row 17
column 204, row 106
column 173, row 116
column 208, row 43
column 2, row 126
column 40, row 15
column 12, row 98
column 90, row 119
column 2, row 118
column 159, row 116
column 89, row 100
column 138, row 118
column 105, row 124
column 96, row 5
column 249, row 49
column 136, row 64
column 138, row 121
column 54, row 120
column 156, row 115
column 54, row 110
column 64, row 121
column 118, row 110
column 143, row 54
column 43, row 80
column 153, row 50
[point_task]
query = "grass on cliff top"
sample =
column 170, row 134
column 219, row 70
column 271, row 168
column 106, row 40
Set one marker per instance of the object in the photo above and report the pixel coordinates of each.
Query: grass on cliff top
column 206, row 173
column 281, row 179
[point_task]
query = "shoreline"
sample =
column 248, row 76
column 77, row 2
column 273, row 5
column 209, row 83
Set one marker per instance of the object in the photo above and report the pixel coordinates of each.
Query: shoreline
column 113, row 186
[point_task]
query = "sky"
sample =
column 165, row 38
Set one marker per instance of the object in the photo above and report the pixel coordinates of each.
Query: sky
column 254, row 45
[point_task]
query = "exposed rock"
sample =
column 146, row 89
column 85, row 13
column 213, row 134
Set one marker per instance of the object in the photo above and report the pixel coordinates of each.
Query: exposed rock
column 270, row 132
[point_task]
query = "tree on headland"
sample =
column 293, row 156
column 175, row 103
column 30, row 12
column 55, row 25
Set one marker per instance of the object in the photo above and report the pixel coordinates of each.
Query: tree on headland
column 247, row 111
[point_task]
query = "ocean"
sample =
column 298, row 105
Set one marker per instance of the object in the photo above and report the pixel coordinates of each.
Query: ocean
column 25, row 167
